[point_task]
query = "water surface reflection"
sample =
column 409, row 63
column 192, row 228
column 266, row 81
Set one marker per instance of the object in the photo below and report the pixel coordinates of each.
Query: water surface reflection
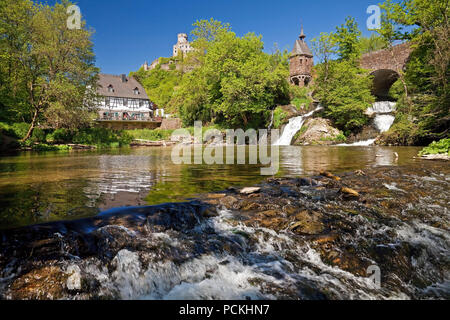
column 42, row 187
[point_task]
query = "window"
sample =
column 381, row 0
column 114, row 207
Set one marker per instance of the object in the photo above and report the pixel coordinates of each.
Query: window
column 107, row 101
column 125, row 102
column 110, row 88
column 136, row 91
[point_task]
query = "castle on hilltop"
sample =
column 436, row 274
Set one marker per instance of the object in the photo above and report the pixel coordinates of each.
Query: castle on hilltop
column 301, row 62
column 182, row 47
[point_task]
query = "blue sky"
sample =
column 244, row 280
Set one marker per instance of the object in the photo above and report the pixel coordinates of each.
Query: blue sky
column 130, row 32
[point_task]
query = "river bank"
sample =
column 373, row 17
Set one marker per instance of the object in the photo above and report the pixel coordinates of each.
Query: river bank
column 288, row 238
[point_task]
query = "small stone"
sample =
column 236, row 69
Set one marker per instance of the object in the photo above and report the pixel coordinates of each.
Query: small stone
column 325, row 238
column 349, row 192
column 360, row 173
column 329, row 175
column 250, row 190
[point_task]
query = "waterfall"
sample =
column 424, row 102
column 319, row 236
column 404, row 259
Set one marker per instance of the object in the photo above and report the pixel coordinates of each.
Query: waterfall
column 384, row 119
column 383, row 122
column 294, row 126
column 271, row 120
column 381, row 107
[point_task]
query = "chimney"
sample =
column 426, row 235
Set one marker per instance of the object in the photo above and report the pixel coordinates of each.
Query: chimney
column 124, row 78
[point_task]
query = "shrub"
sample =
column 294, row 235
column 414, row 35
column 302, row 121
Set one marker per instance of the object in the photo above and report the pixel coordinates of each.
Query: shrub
column 46, row 147
column 439, row 147
column 38, row 135
column 299, row 97
column 278, row 117
column 60, row 136
column 151, row 135
column 102, row 137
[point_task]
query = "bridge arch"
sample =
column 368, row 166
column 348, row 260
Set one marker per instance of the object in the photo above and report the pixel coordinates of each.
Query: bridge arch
column 385, row 66
column 383, row 79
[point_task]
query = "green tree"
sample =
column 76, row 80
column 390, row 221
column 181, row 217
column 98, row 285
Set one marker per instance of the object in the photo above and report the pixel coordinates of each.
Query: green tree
column 347, row 41
column 345, row 92
column 53, row 66
column 373, row 43
column 341, row 86
column 425, row 103
column 235, row 82
column 160, row 85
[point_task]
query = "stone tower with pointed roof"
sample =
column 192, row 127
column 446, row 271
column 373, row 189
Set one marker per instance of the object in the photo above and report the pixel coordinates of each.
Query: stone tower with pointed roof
column 300, row 63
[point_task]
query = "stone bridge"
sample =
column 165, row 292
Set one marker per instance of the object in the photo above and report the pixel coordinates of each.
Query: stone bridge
column 385, row 66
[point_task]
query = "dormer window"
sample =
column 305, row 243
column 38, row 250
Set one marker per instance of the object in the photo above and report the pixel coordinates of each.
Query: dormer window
column 136, row 91
column 110, row 88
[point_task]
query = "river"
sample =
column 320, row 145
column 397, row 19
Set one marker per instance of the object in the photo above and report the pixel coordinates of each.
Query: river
column 375, row 226
column 52, row 186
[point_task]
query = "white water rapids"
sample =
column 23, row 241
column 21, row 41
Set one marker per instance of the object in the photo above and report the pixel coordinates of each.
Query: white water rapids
column 294, row 126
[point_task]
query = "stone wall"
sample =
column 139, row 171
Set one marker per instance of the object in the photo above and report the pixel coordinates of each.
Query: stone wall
column 300, row 65
column 171, row 124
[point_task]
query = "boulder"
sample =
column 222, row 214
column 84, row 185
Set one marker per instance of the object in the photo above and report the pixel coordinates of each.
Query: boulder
column 317, row 131
column 366, row 133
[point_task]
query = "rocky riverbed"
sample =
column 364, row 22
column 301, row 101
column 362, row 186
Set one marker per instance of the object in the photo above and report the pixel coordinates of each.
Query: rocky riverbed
column 287, row 238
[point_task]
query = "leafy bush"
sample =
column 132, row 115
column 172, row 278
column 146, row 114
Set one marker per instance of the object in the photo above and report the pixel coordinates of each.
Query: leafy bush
column 341, row 137
column 38, row 135
column 403, row 132
column 439, row 147
column 102, row 137
column 46, row 147
column 20, row 129
column 278, row 117
column 299, row 97
column 151, row 135
column 60, row 136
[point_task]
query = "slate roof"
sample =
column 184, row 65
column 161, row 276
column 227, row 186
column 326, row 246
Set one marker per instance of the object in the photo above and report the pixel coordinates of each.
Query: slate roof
column 121, row 89
column 301, row 48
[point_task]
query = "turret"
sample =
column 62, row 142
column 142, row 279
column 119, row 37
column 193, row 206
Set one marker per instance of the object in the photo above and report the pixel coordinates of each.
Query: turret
column 301, row 62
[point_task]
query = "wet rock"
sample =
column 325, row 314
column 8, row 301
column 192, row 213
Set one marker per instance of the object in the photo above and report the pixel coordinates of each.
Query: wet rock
column 329, row 175
column 47, row 283
column 347, row 192
column 308, row 223
column 321, row 239
column 228, row 202
column 210, row 212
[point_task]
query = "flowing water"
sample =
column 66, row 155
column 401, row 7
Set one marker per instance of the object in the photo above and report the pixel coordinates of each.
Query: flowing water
column 174, row 252
column 294, row 126
column 383, row 121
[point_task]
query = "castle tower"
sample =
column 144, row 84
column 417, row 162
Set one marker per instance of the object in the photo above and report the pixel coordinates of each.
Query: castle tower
column 182, row 46
column 300, row 63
